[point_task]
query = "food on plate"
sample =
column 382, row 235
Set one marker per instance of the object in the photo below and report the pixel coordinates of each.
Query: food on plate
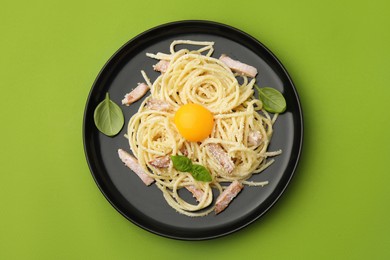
column 227, row 196
column 108, row 117
column 135, row 94
column 200, row 129
column 238, row 66
column 194, row 122
column 133, row 164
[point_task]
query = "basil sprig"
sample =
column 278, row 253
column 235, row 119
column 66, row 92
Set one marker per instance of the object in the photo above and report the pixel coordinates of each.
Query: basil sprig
column 273, row 100
column 184, row 164
column 108, row 117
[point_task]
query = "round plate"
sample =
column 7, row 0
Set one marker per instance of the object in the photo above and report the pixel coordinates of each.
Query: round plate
column 145, row 206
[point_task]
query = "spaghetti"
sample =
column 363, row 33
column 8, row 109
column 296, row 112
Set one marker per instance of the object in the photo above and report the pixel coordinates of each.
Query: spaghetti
column 196, row 77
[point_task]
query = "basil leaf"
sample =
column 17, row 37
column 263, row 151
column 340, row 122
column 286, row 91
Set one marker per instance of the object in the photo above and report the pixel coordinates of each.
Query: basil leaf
column 184, row 164
column 181, row 163
column 108, row 117
column 200, row 173
column 273, row 100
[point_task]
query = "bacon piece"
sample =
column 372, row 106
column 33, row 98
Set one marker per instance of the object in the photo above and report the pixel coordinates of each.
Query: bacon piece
column 159, row 105
column 221, row 156
column 238, row 66
column 196, row 193
column 131, row 162
column 161, row 66
column 254, row 138
column 135, row 94
column 227, row 196
column 161, row 161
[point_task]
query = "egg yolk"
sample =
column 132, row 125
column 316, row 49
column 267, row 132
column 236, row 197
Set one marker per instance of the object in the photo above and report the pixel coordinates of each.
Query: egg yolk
column 194, row 122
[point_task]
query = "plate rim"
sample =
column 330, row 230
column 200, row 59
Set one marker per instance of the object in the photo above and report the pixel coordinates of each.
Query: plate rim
column 194, row 23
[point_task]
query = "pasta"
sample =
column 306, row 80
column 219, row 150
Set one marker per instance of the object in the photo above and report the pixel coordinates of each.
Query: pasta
column 194, row 76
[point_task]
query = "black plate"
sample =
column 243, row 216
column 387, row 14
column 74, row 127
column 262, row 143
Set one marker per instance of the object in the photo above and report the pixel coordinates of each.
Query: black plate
column 145, row 206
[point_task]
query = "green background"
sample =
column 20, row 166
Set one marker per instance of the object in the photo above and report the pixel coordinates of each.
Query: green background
column 337, row 206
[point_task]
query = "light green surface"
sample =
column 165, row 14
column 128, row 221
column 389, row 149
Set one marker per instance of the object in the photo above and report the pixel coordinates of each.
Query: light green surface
column 337, row 206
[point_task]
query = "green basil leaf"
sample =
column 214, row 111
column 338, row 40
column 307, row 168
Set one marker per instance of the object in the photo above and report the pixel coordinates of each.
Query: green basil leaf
column 108, row 117
column 200, row 173
column 181, row 163
column 273, row 100
column 184, row 164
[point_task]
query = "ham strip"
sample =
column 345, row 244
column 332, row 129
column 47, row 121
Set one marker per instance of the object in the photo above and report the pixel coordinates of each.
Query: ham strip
column 161, row 162
column 254, row 138
column 227, row 196
column 238, row 66
column 131, row 162
column 160, row 105
column 196, row 193
column 135, row 94
column 221, row 156
column 161, row 66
